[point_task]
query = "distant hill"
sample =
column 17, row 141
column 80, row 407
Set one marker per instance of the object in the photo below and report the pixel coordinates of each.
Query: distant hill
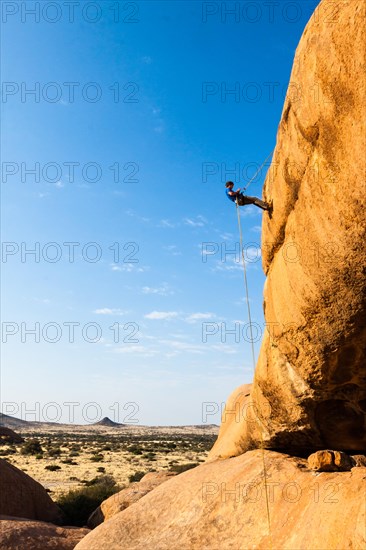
column 12, row 422
column 108, row 422
column 18, row 424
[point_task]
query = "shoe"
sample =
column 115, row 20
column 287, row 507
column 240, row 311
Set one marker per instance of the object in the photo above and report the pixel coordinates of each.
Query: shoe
column 270, row 208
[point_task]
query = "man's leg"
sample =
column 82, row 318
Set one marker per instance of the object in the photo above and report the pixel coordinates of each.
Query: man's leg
column 258, row 202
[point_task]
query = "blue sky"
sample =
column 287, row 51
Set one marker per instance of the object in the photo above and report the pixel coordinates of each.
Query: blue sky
column 131, row 132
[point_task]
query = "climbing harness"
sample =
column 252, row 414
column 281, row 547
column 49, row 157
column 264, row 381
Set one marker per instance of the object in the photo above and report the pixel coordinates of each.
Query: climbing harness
column 253, row 353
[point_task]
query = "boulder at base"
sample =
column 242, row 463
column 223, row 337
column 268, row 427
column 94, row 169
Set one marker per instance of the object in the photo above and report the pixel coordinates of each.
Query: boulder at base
column 221, row 505
column 24, row 534
column 23, row 497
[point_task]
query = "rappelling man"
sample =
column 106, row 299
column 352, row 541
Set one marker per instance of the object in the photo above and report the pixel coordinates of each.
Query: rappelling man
column 241, row 200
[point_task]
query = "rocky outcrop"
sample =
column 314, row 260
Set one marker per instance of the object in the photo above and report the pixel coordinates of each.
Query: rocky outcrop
column 23, row 534
column 108, row 423
column 330, row 461
column 21, row 496
column 123, row 499
column 229, row 441
column 310, row 380
column 9, row 437
column 222, row 505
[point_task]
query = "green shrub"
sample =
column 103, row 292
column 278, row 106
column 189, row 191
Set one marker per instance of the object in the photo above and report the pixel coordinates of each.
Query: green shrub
column 96, row 458
column 136, row 476
column 31, row 447
column 52, row 467
column 101, row 469
column 78, row 505
column 134, row 449
column 106, row 480
column 149, row 456
column 54, row 451
column 69, row 461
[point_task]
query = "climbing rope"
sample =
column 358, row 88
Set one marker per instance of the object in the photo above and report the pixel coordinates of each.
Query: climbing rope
column 259, row 169
column 253, row 357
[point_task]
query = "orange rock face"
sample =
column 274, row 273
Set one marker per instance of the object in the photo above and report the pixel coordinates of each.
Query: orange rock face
column 222, row 506
column 229, row 441
column 310, row 380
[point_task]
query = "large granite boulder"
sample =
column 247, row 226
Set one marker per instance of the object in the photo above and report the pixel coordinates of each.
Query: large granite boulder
column 22, row 496
column 309, row 388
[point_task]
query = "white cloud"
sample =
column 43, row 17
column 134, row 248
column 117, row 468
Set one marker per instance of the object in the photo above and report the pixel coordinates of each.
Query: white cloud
column 256, row 229
column 59, row 184
column 134, row 214
column 241, row 302
column 129, row 268
column 252, row 253
column 161, row 290
column 227, row 236
column 161, row 315
column 110, row 311
column 138, row 350
column 200, row 221
column 167, row 223
column 199, row 317
column 183, row 346
column 250, row 210
column 231, row 263
column 234, row 262
column 209, row 248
